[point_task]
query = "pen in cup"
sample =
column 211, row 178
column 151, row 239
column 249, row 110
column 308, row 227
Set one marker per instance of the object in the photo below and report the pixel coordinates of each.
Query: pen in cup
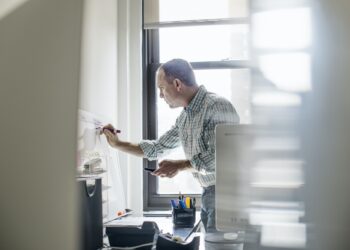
column 188, row 202
column 173, row 204
column 182, row 204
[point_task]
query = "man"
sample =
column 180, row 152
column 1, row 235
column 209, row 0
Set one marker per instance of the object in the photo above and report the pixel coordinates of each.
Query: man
column 194, row 130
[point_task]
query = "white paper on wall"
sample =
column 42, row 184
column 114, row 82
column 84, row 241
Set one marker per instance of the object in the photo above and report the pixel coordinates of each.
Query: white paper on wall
column 91, row 146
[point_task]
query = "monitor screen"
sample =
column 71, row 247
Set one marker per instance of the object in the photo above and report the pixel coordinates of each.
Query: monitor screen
column 232, row 142
column 259, row 176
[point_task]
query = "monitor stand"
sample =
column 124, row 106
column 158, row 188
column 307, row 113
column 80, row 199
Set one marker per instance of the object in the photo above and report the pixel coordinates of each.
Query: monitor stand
column 224, row 240
column 230, row 236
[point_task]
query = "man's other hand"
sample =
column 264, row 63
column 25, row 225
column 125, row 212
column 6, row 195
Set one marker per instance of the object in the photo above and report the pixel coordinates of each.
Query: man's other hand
column 170, row 168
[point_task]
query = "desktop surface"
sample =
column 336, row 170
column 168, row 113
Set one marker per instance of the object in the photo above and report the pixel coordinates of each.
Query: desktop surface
column 164, row 222
column 165, row 225
column 150, row 230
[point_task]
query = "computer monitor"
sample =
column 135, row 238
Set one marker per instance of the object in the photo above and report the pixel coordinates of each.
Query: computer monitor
column 232, row 174
column 259, row 179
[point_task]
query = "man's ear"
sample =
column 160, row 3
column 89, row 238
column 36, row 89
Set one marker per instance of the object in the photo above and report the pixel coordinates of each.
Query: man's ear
column 178, row 84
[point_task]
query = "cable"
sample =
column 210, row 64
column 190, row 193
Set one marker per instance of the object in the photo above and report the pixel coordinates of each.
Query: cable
column 130, row 248
column 194, row 229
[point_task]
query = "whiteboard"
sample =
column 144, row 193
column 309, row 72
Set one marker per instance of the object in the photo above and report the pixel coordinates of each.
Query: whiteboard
column 91, row 145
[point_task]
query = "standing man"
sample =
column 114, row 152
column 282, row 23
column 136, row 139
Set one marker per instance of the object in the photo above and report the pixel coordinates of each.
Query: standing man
column 194, row 130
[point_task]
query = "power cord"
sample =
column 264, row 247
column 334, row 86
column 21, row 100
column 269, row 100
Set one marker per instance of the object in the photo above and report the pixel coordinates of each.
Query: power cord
column 129, row 248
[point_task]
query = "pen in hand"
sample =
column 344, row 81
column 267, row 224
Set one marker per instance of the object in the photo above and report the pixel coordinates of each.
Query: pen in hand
column 114, row 131
column 149, row 169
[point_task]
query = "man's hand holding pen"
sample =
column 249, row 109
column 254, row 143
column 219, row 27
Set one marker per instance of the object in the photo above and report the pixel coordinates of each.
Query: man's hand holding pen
column 111, row 134
column 170, row 168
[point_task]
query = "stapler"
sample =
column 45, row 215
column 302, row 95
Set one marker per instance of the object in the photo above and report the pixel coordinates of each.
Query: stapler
column 164, row 242
column 133, row 236
column 93, row 166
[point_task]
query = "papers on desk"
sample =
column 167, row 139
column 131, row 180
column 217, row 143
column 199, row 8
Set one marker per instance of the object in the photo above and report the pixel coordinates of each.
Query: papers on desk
column 162, row 217
column 127, row 221
column 132, row 220
column 164, row 223
column 167, row 213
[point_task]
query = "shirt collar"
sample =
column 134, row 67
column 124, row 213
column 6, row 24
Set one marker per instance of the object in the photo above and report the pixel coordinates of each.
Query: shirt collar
column 197, row 100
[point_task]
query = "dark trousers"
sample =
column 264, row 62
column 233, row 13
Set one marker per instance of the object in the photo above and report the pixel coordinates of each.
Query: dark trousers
column 208, row 208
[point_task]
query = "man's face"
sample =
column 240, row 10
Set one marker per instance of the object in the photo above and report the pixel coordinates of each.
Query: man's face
column 167, row 90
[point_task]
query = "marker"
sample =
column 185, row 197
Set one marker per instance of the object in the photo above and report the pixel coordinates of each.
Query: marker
column 173, row 204
column 181, row 196
column 182, row 204
column 188, row 202
column 114, row 131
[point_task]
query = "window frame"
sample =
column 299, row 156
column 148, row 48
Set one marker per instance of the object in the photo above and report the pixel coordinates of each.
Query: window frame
column 150, row 64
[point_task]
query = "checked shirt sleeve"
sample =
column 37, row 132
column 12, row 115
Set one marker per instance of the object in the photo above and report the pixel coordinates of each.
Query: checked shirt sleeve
column 153, row 149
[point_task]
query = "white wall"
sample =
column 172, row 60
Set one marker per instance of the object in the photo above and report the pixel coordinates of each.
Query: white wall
column 39, row 78
column 98, row 90
column 130, row 95
column 111, row 78
column 39, row 97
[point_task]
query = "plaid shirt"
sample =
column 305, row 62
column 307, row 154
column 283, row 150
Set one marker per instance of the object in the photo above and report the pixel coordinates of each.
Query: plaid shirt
column 194, row 130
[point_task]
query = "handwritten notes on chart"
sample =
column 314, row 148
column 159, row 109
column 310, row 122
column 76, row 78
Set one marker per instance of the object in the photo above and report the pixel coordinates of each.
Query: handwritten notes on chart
column 96, row 157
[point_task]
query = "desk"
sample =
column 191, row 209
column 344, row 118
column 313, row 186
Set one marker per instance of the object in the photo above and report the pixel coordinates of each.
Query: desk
column 166, row 226
column 164, row 223
column 133, row 231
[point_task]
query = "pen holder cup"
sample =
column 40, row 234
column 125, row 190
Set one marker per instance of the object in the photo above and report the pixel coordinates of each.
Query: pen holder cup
column 184, row 217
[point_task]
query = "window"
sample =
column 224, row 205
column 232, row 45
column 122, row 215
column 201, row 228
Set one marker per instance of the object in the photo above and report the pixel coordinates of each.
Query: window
column 269, row 92
column 220, row 39
column 215, row 39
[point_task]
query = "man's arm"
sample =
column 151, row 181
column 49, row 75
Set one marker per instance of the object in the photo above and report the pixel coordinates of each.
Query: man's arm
column 150, row 149
column 154, row 149
column 130, row 148
column 114, row 141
